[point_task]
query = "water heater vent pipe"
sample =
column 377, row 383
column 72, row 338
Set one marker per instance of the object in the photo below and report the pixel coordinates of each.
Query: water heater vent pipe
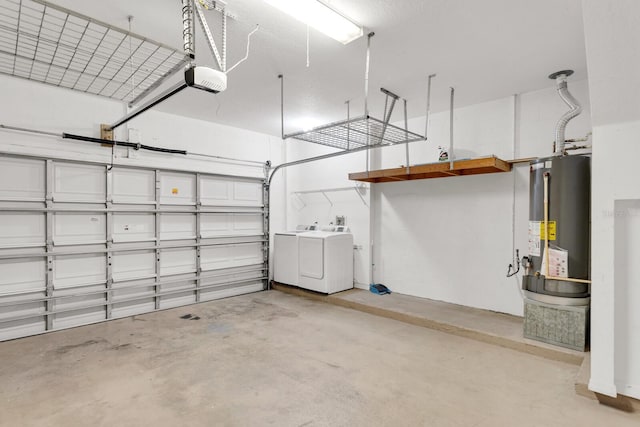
column 561, row 81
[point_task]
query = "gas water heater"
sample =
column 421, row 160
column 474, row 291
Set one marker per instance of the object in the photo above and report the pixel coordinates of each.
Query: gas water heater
column 556, row 281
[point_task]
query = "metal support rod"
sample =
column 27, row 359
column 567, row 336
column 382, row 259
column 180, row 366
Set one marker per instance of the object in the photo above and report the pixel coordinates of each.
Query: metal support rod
column 152, row 103
column 348, row 124
column 281, row 77
column 387, row 114
column 366, row 74
column 34, row 131
column 428, row 112
column 546, row 222
column 451, row 129
column 366, row 90
column 406, row 129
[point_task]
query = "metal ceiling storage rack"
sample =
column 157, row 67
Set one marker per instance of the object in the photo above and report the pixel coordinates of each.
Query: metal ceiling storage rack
column 360, row 132
column 50, row 44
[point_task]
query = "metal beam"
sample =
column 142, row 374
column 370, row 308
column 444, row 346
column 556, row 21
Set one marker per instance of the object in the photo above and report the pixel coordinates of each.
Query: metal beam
column 152, row 103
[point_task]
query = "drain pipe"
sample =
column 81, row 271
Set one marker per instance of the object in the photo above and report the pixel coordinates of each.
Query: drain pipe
column 561, row 81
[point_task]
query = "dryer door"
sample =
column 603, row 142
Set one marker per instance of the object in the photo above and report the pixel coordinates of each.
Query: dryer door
column 311, row 257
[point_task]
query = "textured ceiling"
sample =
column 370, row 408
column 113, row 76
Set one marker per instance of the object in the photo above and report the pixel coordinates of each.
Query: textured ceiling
column 485, row 49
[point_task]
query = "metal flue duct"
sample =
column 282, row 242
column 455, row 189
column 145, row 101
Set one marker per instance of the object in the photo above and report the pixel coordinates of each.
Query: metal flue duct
column 561, row 81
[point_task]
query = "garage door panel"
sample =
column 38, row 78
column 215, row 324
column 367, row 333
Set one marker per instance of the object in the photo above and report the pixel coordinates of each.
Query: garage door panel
column 177, row 294
column 133, row 227
column 151, row 260
column 22, row 179
column 134, row 186
column 223, row 277
column 22, row 328
column 22, row 275
column 247, row 193
column 134, row 297
column 22, row 229
column 213, row 225
column 225, row 291
column 29, row 305
column 215, row 191
column 79, row 183
column 229, row 256
column 247, row 224
column 177, row 188
column 177, row 226
column 177, row 261
column 80, row 316
column 131, row 308
column 79, row 228
column 215, row 258
column 133, row 265
column 227, row 192
column 228, row 224
column 80, row 270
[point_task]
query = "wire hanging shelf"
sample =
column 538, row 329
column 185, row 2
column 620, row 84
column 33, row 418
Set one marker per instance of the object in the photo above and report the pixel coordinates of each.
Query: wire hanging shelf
column 355, row 133
column 49, row 44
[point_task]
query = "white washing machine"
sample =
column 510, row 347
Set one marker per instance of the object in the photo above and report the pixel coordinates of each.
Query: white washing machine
column 285, row 255
column 325, row 260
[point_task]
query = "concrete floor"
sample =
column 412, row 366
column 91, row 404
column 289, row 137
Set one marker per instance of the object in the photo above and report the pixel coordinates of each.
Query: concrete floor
column 277, row 359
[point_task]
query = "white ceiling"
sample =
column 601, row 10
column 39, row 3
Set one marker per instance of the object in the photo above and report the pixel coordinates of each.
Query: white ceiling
column 486, row 49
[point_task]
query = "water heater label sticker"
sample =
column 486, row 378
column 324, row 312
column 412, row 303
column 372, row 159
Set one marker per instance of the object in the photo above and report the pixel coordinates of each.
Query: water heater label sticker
column 558, row 262
column 537, row 166
column 534, row 238
column 547, row 164
column 552, row 230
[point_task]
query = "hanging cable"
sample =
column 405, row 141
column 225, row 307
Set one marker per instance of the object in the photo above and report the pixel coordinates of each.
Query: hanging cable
column 246, row 56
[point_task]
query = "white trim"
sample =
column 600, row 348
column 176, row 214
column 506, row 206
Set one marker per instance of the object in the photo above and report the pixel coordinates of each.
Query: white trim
column 608, row 389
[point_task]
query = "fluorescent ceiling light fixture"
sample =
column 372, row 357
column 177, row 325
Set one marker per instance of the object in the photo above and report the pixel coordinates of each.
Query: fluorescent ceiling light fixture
column 321, row 17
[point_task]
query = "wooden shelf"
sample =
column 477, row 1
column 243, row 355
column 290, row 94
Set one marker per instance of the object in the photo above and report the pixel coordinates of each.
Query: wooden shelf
column 482, row 165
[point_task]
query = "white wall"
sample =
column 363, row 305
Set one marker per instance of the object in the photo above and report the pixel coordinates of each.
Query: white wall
column 33, row 105
column 445, row 239
column 451, row 239
column 613, row 59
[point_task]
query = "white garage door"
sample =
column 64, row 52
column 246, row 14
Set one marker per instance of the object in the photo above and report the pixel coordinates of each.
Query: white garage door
column 83, row 243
